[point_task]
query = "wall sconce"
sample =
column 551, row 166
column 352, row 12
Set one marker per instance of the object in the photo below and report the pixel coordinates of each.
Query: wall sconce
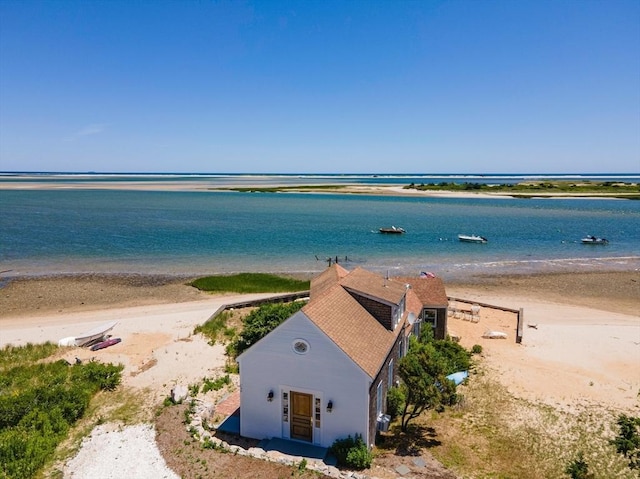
column 270, row 396
column 330, row 406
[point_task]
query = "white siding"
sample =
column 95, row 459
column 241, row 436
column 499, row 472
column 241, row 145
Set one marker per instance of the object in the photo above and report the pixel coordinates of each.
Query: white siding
column 324, row 371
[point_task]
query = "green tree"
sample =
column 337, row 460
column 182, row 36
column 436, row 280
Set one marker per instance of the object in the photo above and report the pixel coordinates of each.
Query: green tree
column 627, row 441
column 423, row 372
column 261, row 322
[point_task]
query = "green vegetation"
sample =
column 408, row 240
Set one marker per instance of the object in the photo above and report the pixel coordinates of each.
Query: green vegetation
column 260, row 322
column 493, row 434
column 476, row 349
column 395, row 402
column 627, row 442
column 216, row 327
column 352, row 452
column 250, row 283
column 537, row 188
column 578, row 468
column 215, row 384
column 41, row 401
column 423, row 372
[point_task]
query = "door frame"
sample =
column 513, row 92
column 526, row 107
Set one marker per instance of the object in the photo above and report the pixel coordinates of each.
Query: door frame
column 316, row 432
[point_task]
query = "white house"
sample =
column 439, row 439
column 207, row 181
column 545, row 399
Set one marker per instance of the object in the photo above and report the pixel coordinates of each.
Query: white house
column 323, row 374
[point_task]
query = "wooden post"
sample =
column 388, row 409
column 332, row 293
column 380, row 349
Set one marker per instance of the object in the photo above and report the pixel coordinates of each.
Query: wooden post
column 520, row 327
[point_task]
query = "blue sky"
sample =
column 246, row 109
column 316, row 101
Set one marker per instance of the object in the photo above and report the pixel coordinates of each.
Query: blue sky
column 476, row 86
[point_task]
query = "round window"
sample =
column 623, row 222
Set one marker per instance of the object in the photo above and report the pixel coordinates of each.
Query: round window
column 300, row 346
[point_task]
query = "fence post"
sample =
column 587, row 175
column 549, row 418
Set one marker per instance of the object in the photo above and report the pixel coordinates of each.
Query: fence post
column 520, row 327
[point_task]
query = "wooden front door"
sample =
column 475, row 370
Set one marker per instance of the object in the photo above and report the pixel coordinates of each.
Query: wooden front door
column 301, row 416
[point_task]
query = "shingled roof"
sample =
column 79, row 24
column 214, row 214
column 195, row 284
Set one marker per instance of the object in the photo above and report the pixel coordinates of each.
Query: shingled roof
column 430, row 290
column 328, row 278
column 370, row 284
column 349, row 325
column 352, row 329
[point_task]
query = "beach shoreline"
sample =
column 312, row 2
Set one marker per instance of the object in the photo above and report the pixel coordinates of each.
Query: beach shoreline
column 24, row 296
column 204, row 186
column 580, row 349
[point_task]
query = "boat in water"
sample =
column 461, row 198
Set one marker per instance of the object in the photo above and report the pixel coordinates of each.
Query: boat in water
column 472, row 239
column 393, row 230
column 594, row 240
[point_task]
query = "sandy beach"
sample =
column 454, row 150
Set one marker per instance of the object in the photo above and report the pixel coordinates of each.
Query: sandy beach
column 581, row 343
column 587, row 328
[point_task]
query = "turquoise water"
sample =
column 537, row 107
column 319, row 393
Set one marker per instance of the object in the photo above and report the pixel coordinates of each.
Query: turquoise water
column 66, row 231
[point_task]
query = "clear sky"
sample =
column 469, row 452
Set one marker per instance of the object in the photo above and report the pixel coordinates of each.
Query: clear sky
column 322, row 86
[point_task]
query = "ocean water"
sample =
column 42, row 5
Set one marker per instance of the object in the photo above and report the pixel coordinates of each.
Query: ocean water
column 175, row 232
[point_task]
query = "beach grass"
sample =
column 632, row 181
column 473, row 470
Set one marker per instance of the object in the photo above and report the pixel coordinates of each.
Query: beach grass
column 41, row 401
column 494, row 434
column 245, row 283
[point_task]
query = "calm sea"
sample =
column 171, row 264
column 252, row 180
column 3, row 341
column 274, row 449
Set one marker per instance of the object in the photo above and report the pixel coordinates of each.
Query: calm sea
column 175, row 232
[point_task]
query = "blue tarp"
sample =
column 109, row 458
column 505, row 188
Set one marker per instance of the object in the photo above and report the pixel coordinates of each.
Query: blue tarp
column 458, row 377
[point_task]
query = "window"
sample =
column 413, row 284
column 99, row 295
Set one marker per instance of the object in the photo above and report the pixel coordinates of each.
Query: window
column 317, row 411
column 379, row 399
column 300, row 346
column 285, row 406
column 398, row 312
column 390, row 375
column 430, row 316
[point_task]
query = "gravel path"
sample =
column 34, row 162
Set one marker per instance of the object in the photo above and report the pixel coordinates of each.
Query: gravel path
column 110, row 453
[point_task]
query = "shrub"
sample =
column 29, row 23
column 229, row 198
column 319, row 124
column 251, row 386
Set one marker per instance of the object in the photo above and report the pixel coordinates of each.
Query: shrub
column 352, row 452
column 215, row 385
column 40, row 402
column 262, row 321
column 476, row 349
column 627, row 442
column 395, row 402
column 578, row 468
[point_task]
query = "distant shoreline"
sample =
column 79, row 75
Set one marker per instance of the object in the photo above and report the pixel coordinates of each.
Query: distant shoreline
column 47, row 184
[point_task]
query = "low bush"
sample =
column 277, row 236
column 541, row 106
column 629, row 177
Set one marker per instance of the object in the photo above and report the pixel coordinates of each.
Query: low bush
column 395, row 402
column 352, row 452
column 39, row 402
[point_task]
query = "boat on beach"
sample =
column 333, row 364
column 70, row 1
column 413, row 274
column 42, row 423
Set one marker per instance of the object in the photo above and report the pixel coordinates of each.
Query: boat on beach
column 472, row 239
column 105, row 344
column 95, row 335
column 393, row 230
column 594, row 240
column 494, row 335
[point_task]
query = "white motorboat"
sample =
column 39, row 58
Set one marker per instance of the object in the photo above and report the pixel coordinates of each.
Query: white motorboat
column 472, row 239
column 594, row 240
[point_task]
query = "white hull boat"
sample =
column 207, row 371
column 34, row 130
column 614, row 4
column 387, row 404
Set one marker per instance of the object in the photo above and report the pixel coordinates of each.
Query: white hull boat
column 494, row 335
column 472, row 239
column 92, row 336
column 594, row 240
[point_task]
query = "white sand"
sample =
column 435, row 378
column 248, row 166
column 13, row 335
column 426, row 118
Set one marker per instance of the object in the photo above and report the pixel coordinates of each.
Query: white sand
column 574, row 355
